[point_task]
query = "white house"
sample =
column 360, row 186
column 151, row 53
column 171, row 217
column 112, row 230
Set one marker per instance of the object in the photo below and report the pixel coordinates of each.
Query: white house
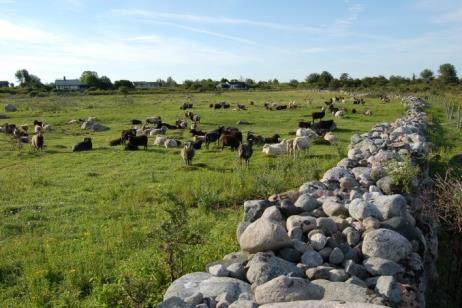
column 69, row 84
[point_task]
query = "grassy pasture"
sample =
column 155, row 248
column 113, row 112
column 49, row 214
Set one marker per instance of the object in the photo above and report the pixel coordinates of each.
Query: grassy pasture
column 73, row 225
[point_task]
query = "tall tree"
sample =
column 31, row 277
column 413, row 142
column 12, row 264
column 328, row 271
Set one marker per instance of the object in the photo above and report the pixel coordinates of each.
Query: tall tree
column 426, row 75
column 324, row 79
column 448, row 73
column 26, row 79
column 90, row 78
column 104, row 83
column 312, row 78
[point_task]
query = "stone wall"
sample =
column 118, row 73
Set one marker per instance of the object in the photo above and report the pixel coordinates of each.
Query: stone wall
column 355, row 238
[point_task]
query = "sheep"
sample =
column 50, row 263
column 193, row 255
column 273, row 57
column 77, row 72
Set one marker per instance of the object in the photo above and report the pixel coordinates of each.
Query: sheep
column 131, row 147
column 85, row 145
column 272, row 139
column 245, row 151
column 292, row 105
column 37, row 141
column 171, row 143
column 197, row 144
column 38, row 128
column 302, row 124
column 24, row 127
column 138, row 141
column 160, row 139
column 367, row 112
column 37, row 123
column 330, row 137
column 126, row 133
column 136, row 122
column 154, row 120
column 158, row 131
column 319, row 115
column 298, row 144
column 275, row 149
column 229, row 141
column 339, row 114
column 198, row 138
column 187, row 153
column 115, row 142
column 213, row 136
column 301, row 132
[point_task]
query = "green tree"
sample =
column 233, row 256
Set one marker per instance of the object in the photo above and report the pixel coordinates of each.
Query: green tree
column 90, row 78
column 124, row 83
column 448, row 73
column 312, row 79
column 170, row 82
column 293, row 83
column 26, row 79
column 324, row 79
column 344, row 77
column 104, row 83
column 426, row 75
column 334, row 84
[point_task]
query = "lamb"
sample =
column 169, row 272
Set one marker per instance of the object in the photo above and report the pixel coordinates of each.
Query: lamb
column 330, row 137
column 298, row 144
column 367, row 112
column 187, row 153
column 171, row 143
column 37, row 141
column 38, row 128
column 85, row 145
column 339, row 114
column 275, row 149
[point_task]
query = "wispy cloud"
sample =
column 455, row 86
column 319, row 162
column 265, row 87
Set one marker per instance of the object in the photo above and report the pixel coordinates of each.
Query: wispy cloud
column 451, row 17
column 353, row 10
column 17, row 32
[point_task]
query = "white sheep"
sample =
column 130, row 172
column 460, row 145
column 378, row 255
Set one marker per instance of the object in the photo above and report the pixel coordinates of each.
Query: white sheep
column 198, row 139
column 330, row 137
column 339, row 114
column 160, row 140
column 38, row 129
column 298, row 144
column 301, row 132
column 275, row 149
column 158, row 131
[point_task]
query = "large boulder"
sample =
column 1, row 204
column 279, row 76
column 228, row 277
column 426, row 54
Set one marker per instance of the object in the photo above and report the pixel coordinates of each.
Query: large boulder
column 287, row 289
column 390, row 206
column 10, row 108
column 307, row 203
column 388, row 288
column 360, row 209
column 264, row 234
column 91, row 124
column 386, row 244
column 379, row 266
column 342, row 291
column 206, row 284
column 320, row 304
column 253, row 209
column 265, row 266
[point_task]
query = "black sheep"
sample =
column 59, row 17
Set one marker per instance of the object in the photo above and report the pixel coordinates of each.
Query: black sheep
column 229, row 141
column 85, row 145
column 138, row 141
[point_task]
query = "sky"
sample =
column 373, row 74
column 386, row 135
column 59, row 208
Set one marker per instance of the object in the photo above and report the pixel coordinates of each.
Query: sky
column 258, row 39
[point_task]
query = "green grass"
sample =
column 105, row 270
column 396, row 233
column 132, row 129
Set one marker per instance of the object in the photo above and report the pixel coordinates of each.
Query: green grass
column 73, row 226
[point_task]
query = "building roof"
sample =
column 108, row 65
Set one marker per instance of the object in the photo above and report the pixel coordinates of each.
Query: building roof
column 68, row 82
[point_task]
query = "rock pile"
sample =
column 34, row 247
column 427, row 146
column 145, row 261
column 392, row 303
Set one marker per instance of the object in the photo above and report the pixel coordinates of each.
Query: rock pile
column 352, row 239
column 91, row 124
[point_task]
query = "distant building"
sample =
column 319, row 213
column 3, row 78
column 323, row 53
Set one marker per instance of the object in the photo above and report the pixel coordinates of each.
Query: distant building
column 4, row 84
column 69, row 84
column 146, row 84
column 232, row 85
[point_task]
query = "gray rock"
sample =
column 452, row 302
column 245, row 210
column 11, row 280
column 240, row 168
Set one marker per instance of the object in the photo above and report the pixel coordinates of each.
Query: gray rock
column 263, row 267
column 390, row 206
column 287, row 289
column 218, row 270
column 325, row 252
column 320, row 304
column 241, row 228
column 357, row 281
column 311, row 187
column 386, row 244
column 273, row 213
column 10, row 108
column 336, row 256
column 307, row 203
column 318, row 241
column 360, row 209
column 237, row 257
column 222, row 304
column 243, row 303
column 327, row 225
column 337, row 275
column 307, row 223
column 386, row 185
column 206, row 284
column 290, row 254
column 288, row 208
column 341, row 291
column 347, row 183
column 320, row 272
column 334, row 174
column 387, row 287
column 371, row 282
column 404, row 227
column 352, row 235
column 236, row 270
column 194, row 299
column 253, row 209
column 357, row 270
column 264, row 234
column 380, row 267
column 174, row 302
column 332, row 208
column 311, row 258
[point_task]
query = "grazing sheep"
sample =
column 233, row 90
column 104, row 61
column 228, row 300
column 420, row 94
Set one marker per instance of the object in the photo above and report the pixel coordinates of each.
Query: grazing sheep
column 330, row 137
column 213, row 136
column 255, row 139
column 197, row 144
column 158, row 131
column 367, row 112
column 319, row 115
column 272, row 139
column 138, row 141
column 131, row 147
column 229, row 141
column 160, row 140
column 154, row 120
column 187, row 153
column 198, row 138
column 298, row 144
column 245, row 151
column 37, row 141
column 115, row 142
column 85, row 145
column 339, row 114
column 126, row 133
column 275, row 149
column 292, row 105
column 301, row 132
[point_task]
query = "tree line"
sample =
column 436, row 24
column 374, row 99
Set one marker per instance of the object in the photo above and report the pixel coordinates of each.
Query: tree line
column 447, row 76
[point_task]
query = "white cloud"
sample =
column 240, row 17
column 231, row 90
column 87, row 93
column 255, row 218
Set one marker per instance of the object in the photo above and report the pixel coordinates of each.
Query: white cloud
column 451, row 17
column 22, row 33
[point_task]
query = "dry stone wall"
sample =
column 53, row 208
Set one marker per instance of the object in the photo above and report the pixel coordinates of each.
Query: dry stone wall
column 355, row 238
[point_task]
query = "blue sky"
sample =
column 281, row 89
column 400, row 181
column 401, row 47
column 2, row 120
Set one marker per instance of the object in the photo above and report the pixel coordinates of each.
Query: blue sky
column 147, row 40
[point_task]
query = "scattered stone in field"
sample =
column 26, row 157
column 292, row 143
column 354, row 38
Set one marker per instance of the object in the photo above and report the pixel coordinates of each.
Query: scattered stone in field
column 10, row 108
column 91, row 124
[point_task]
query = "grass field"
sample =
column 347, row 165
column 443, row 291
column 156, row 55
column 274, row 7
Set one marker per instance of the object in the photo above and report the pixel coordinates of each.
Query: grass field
column 76, row 229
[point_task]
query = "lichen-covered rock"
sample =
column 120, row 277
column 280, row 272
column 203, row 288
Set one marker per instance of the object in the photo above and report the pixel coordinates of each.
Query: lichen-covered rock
column 386, row 244
column 287, row 289
column 390, row 206
column 264, row 267
column 332, row 208
column 361, row 209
